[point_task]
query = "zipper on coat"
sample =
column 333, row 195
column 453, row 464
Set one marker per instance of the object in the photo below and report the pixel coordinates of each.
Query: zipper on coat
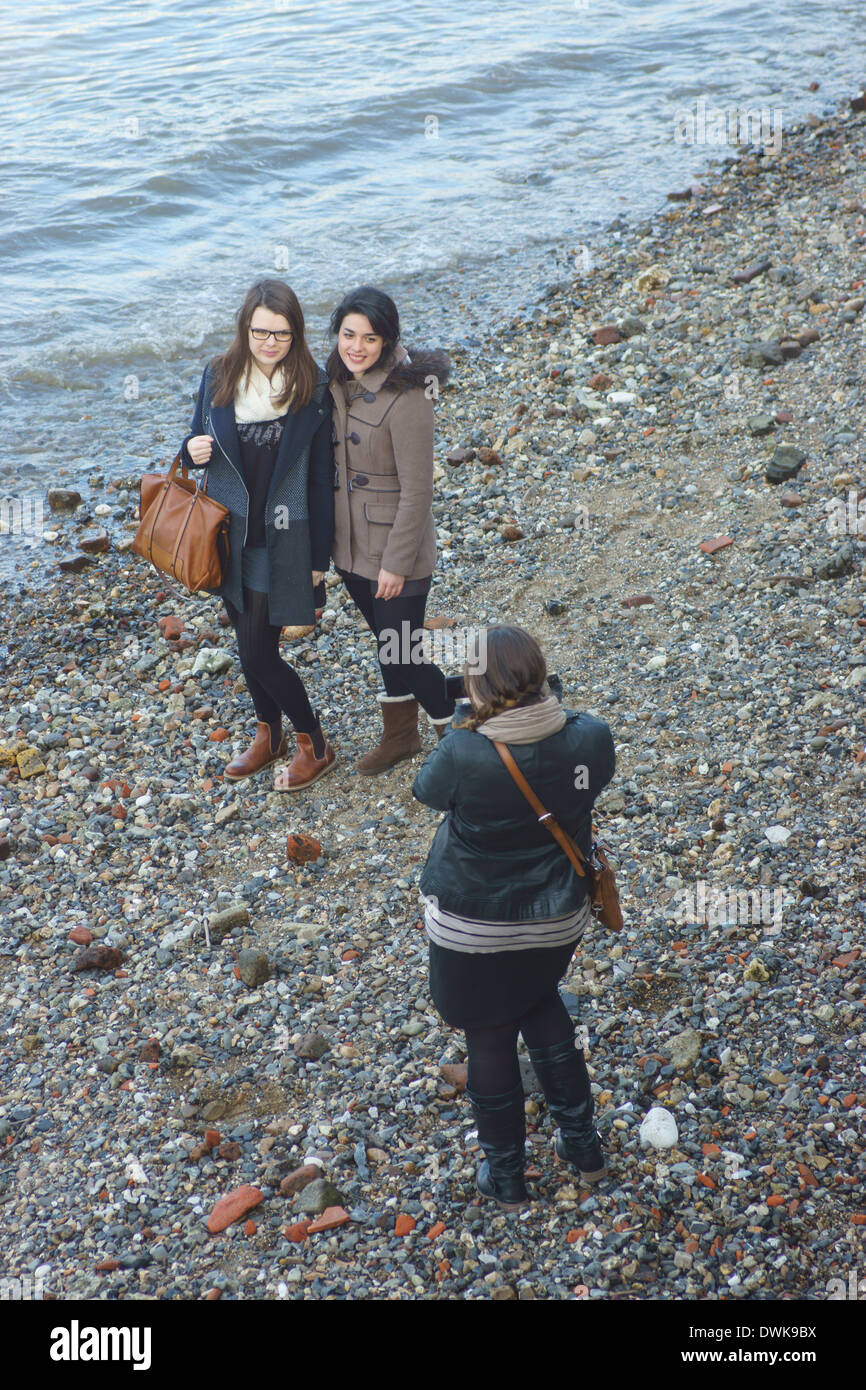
column 231, row 465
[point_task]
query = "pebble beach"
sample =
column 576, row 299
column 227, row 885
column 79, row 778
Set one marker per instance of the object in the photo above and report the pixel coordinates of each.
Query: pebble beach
column 221, row 1075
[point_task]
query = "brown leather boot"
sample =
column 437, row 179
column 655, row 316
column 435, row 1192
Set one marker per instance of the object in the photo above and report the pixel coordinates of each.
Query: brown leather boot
column 259, row 754
column 400, row 738
column 305, row 767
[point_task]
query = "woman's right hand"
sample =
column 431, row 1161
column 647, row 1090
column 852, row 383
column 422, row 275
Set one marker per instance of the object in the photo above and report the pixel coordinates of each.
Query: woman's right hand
column 199, row 448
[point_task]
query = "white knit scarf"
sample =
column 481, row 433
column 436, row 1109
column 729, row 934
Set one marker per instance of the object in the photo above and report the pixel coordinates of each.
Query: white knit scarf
column 254, row 397
column 525, row 724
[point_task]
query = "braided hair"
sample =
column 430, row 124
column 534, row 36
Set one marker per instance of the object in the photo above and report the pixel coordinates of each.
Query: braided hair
column 514, row 674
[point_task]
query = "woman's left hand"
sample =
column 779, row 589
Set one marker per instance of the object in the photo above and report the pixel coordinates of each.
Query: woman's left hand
column 390, row 585
column 318, row 576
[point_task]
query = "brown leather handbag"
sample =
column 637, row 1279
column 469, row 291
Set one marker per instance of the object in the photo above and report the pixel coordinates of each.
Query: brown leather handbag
column 604, row 897
column 182, row 531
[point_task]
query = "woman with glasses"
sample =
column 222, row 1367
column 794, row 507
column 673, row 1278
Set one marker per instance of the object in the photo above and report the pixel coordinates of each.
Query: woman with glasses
column 385, row 538
column 262, row 428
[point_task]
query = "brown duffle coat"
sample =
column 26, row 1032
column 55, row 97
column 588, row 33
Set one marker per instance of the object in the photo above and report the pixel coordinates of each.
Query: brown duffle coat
column 383, row 454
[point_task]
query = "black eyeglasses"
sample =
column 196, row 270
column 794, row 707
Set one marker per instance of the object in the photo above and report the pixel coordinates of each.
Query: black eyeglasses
column 280, row 335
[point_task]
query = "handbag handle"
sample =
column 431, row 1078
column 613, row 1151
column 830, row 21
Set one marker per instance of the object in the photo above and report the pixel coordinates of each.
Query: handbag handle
column 546, row 818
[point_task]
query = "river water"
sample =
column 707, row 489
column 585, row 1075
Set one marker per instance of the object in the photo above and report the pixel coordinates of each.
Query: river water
column 158, row 157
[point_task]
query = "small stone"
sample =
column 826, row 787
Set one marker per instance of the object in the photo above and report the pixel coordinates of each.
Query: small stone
column 600, row 382
column 719, row 543
column 777, row 834
column 330, row 1219
column 761, row 424
column 404, row 1225
column 455, row 1073
column 98, row 958
column 637, row 601
column 685, row 1049
column 221, row 923
column 511, row 533
column 149, row 1051
column 786, row 462
column 659, row 1129
column 233, row 1206
column 299, row 1179
column 756, row 971
column 298, row 1232
column 64, row 499
column 226, row 813
column 254, row 968
column 82, row 936
column 74, row 564
column 94, row 542
column 29, row 763
column 606, row 335
column 303, row 849
column 318, row 1195
column 312, row 1046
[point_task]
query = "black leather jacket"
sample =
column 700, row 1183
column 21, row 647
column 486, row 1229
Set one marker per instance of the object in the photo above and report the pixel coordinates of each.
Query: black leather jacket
column 490, row 858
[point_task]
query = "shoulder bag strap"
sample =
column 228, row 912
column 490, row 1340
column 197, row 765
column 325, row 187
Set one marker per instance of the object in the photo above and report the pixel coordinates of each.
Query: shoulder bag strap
column 547, row 818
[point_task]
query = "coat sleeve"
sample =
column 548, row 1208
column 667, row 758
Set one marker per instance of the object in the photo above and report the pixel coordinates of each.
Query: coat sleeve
column 196, row 427
column 436, row 782
column 604, row 765
column 320, row 491
column 411, row 428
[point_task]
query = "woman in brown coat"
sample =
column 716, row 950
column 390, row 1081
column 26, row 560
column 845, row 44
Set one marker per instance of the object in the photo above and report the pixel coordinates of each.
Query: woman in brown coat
column 385, row 539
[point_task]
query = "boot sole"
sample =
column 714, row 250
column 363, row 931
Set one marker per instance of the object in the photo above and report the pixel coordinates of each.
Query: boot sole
column 504, row 1206
column 302, row 786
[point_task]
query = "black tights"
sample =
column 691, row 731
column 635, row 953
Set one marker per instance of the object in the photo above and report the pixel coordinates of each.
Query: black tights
column 275, row 688
column 493, row 1065
column 423, row 679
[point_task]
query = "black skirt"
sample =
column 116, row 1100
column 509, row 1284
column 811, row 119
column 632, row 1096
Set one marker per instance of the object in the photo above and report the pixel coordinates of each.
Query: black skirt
column 486, row 989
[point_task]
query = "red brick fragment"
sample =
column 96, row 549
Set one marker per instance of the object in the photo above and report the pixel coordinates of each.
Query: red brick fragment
column 233, row 1206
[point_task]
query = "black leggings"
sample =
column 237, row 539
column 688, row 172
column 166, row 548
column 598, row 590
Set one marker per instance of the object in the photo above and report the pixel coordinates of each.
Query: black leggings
column 422, row 679
column 493, row 1065
column 275, row 688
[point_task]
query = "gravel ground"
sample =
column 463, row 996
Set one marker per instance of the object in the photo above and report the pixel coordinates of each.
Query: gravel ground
column 265, row 1030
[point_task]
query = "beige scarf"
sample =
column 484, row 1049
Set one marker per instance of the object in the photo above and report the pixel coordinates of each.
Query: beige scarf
column 254, row 396
column 527, row 723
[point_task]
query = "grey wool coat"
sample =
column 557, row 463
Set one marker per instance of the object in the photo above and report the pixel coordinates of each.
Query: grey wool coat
column 299, row 512
column 383, row 451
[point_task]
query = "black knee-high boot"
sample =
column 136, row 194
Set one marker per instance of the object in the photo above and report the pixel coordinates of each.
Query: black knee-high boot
column 501, row 1122
column 562, row 1075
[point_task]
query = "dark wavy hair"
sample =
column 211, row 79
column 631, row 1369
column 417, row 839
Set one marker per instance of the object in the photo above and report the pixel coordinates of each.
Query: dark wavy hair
column 299, row 366
column 515, row 674
column 376, row 306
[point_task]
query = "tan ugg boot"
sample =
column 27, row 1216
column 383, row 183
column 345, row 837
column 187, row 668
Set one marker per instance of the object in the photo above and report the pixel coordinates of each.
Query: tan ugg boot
column 400, row 738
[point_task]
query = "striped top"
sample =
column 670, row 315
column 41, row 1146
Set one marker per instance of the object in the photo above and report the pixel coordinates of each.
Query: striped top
column 476, row 936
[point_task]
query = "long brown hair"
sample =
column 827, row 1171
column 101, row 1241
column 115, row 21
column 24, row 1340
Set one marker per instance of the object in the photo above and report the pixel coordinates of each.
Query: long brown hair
column 514, row 674
column 299, row 367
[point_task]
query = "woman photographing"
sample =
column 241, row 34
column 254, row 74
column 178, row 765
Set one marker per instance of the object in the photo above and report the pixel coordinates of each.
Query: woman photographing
column 504, row 908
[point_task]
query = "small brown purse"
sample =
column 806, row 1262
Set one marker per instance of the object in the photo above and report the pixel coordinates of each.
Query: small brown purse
column 603, row 894
column 182, row 531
